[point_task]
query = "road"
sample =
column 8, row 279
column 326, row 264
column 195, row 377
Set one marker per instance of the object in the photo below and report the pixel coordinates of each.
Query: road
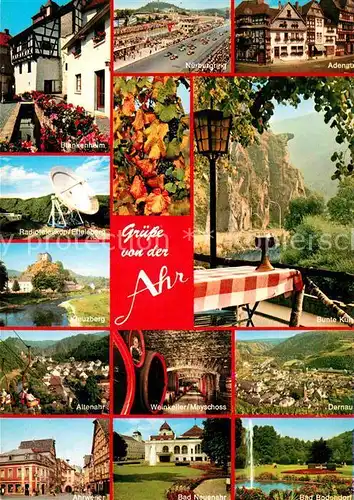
column 324, row 66
column 158, row 63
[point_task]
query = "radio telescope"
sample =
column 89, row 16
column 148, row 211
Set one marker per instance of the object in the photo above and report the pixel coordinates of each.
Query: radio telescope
column 72, row 197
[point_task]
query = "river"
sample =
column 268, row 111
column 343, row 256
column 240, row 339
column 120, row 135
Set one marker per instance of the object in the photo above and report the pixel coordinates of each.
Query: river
column 43, row 314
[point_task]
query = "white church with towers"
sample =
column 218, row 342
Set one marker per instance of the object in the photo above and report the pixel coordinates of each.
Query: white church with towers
column 167, row 447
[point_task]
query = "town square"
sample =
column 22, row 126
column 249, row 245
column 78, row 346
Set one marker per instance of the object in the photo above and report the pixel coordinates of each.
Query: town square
column 37, row 458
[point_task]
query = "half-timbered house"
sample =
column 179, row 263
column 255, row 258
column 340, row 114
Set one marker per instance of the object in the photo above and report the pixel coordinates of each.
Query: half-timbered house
column 315, row 22
column 252, row 31
column 341, row 13
column 36, row 52
column 288, row 35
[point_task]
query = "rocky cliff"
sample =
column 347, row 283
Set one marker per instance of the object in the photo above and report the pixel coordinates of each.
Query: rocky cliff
column 248, row 181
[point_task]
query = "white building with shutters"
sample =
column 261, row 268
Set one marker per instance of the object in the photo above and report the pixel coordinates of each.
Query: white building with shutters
column 86, row 60
column 167, row 447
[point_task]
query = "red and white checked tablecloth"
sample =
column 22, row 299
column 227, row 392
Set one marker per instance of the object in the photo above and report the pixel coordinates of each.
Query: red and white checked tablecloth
column 236, row 286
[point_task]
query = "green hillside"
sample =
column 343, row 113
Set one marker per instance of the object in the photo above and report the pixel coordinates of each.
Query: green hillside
column 321, row 349
column 88, row 347
column 161, row 6
column 311, row 150
column 342, row 446
column 71, row 343
column 92, row 351
column 158, row 6
column 36, row 211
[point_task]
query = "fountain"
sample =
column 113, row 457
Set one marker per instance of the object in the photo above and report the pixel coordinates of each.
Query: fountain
column 249, row 443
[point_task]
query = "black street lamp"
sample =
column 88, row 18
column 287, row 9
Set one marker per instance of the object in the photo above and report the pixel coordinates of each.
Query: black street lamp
column 212, row 133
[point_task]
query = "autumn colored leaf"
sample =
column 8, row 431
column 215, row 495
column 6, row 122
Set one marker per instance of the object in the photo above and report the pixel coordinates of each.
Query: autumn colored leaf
column 157, row 182
column 149, row 118
column 147, row 167
column 138, row 189
column 157, row 202
column 149, row 149
column 154, row 145
column 128, row 107
column 139, row 122
column 126, row 209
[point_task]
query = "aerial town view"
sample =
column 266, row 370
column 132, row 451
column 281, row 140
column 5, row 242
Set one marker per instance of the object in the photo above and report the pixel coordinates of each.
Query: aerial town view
column 47, row 59
column 54, row 372
column 160, row 37
column 52, row 285
column 295, row 372
column 315, row 36
column 38, row 458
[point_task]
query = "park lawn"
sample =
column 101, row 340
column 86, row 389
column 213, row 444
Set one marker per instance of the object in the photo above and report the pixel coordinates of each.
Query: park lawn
column 95, row 305
column 346, row 472
column 145, row 482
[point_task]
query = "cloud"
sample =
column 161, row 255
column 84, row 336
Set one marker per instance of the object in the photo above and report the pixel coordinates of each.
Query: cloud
column 17, row 181
column 22, row 182
column 10, row 174
column 96, row 171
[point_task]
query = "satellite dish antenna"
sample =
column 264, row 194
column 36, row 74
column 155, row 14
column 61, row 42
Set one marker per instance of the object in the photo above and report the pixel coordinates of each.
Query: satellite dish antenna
column 73, row 197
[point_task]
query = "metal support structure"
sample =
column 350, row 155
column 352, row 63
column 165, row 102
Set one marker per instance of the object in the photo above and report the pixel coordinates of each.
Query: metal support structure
column 62, row 216
column 212, row 229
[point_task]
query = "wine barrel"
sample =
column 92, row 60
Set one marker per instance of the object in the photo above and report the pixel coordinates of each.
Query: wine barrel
column 124, row 377
column 139, row 334
column 151, row 384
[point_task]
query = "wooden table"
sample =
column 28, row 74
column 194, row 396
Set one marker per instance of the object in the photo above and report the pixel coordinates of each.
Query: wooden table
column 226, row 287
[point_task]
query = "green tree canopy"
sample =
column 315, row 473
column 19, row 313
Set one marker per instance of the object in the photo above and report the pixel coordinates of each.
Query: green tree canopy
column 341, row 206
column 119, row 447
column 16, row 286
column 217, row 440
column 300, row 207
column 320, row 452
column 3, row 276
column 250, row 101
column 45, row 281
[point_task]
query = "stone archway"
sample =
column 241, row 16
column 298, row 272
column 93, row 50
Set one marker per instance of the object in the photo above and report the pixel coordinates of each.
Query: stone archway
column 68, row 488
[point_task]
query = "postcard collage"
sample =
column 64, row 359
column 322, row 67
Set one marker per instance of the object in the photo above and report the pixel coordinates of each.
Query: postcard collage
column 177, row 249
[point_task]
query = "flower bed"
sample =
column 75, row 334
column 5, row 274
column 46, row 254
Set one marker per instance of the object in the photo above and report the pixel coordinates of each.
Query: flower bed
column 310, row 490
column 151, row 147
column 310, row 471
column 65, row 128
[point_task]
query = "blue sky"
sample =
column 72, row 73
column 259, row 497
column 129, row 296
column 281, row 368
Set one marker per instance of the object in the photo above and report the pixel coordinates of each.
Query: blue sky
column 266, row 334
column 43, row 334
column 16, row 14
column 306, row 428
column 284, row 112
column 88, row 259
column 184, row 4
column 28, row 176
column 73, row 437
column 185, row 97
column 151, row 426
